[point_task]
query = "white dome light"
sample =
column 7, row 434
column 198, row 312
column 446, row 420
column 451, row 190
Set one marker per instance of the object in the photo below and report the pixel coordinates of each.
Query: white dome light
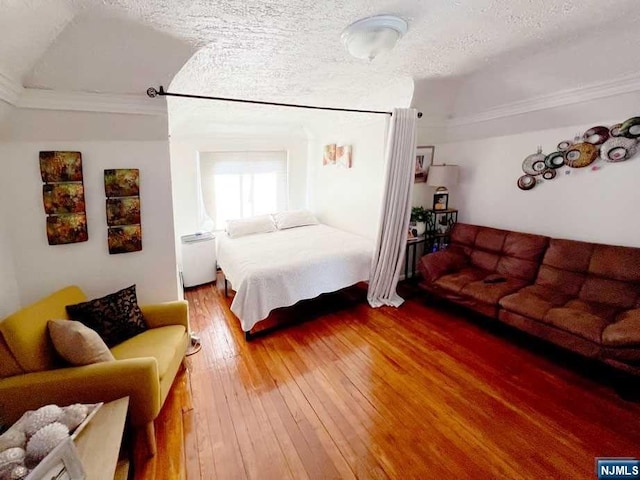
column 369, row 37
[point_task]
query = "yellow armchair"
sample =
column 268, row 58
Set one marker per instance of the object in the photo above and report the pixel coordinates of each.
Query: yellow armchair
column 31, row 375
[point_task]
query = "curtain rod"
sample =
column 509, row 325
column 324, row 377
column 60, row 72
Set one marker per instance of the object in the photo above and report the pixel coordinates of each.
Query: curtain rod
column 152, row 92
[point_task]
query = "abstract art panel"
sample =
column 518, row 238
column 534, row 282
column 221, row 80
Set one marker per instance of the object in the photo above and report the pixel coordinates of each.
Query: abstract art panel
column 125, row 239
column 123, row 211
column 62, row 198
column 122, row 182
column 122, row 188
column 329, row 155
column 343, row 156
column 58, row 167
column 69, row 228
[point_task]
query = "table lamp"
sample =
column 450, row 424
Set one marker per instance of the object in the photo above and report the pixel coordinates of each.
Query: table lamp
column 442, row 176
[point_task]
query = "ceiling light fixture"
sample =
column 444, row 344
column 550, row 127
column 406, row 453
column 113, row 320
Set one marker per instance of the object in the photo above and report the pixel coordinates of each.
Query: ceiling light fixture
column 369, row 37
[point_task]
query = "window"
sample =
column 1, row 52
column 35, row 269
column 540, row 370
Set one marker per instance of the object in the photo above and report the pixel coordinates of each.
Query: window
column 242, row 184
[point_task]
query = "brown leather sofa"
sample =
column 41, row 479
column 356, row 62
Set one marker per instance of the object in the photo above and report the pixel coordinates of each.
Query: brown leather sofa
column 582, row 296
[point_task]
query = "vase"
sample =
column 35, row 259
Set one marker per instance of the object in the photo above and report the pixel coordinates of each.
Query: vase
column 421, row 227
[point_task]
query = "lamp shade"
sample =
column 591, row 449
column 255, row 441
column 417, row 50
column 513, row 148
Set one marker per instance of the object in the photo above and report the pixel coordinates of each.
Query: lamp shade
column 442, row 175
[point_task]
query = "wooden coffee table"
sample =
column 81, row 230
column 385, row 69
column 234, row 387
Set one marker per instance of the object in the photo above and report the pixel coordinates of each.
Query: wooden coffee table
column 99, row 443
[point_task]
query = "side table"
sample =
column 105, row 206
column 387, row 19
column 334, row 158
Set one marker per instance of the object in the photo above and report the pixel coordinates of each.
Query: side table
column 411, row 253
column 99, row 443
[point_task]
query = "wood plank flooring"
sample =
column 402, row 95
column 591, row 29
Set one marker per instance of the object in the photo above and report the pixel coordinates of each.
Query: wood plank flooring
column 415, row 392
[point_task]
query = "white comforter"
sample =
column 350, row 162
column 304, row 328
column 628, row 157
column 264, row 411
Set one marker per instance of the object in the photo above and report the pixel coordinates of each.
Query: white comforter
column 278, row 269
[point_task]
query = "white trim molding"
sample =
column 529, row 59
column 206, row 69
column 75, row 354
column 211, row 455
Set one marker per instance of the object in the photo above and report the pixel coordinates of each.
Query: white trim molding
column 10, row 90
column 619, row 86
column 91, row 102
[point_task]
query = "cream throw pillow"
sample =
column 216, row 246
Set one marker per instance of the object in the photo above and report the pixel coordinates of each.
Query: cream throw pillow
column 77, row 343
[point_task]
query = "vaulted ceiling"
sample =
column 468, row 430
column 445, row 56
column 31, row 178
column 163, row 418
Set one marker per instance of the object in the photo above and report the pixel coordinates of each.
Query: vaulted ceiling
column 461, row 56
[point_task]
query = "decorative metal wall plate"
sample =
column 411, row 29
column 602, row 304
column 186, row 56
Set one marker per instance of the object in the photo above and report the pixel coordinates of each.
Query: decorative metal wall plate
column 596, row 135
column 564, row 145
column 534, row 164
column 631, row 128
column 613, row 144
column 615, row 130
column 554, row 160
column 526, row 182
column 618, row 149
column 581, row 155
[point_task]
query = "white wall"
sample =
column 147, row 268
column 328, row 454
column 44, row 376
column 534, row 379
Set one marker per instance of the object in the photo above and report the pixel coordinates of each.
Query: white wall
column 40, row 268
column 349, row 199
column 9, row 295
column 184, row 158
column 599, row 206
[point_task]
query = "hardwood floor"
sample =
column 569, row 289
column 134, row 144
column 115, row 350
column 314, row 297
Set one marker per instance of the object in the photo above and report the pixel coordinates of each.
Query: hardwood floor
column 414, row 392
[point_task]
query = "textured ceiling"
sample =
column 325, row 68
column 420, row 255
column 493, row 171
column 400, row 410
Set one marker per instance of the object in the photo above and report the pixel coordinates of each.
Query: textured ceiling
column 463, row 55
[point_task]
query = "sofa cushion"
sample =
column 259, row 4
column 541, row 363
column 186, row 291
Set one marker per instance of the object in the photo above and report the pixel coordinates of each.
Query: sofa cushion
column 26, row 330
column 434, row 265
column 485, row 260
column 491, row 293
column 578, row 322
column 568, row 255
column 463, row 234
column 116, row 317
column 77, row 343
column 612, row 292
column 564, row 281
column 455, row 282
column 525, row 246
column 490, row 239
column 617, row 263
column 8, row 364
column 517, row 268
column 521, row 255
column 534, row 301
column 163, row 344
column 601, row 310
column 625, row 331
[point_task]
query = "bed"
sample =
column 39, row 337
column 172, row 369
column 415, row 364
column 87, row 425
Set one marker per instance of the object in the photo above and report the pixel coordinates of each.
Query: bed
column 278, row 269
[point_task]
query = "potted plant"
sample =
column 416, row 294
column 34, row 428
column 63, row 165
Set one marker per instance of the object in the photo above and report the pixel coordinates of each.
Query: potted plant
column 419, row 217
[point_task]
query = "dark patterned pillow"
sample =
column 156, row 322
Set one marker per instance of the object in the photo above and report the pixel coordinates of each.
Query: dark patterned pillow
column 116, row 317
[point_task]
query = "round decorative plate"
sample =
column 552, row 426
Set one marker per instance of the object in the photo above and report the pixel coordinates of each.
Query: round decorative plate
column 526, row 182
column 549, row 174
column 580, row 155
column 554, row 160
column 615, row 130
column 618, row 149
column 534, row 164
column 564, row 145
column 631, row 128
column 596, row 135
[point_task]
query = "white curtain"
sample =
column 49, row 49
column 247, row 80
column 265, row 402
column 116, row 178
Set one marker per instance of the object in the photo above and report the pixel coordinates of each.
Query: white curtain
column 388, row 257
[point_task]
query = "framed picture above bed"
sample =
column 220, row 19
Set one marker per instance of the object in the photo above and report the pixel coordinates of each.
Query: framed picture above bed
column 424, row 159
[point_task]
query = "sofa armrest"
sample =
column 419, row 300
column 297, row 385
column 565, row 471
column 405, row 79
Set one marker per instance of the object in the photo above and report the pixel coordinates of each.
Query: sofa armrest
column 165, row 314
column 136, row 378
column 434, row 265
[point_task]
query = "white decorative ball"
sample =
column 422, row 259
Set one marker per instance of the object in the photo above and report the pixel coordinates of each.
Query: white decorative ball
column 9, row 459
column 73, row 415
column 45, row 440
column 19, row 472
column 41, row 417
column 13, row 437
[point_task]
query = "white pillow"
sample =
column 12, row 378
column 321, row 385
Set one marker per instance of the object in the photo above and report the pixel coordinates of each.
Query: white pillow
column 249, row 226
column 294, row 218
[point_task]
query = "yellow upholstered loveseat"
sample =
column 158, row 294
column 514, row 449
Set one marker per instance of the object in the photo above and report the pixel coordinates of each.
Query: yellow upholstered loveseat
column 32, row 375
